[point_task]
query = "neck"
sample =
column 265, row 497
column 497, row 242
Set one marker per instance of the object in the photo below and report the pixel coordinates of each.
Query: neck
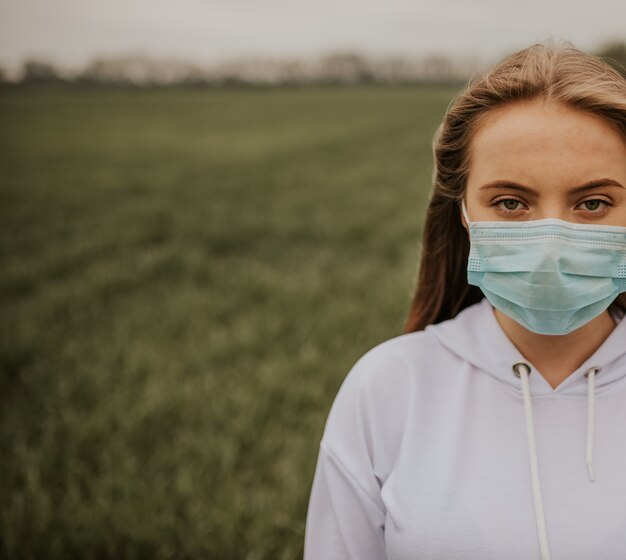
column 557, row 356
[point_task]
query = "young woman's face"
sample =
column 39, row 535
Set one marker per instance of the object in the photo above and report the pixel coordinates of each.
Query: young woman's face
column 535, row 160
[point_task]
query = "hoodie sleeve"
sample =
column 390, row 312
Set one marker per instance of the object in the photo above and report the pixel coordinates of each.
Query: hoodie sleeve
column 346, row 514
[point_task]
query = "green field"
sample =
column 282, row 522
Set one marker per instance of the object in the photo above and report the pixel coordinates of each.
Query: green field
column 186, row 278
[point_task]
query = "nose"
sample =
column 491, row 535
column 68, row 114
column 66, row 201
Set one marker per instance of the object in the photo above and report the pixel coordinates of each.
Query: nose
column 558, row 211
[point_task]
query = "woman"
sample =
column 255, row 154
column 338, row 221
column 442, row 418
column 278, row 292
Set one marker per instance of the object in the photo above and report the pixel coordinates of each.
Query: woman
column 475, row 434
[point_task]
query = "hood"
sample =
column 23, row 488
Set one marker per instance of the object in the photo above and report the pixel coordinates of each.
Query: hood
column 476, row 337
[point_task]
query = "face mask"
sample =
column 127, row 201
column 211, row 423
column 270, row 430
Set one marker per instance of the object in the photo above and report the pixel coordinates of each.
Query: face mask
column 550, row 275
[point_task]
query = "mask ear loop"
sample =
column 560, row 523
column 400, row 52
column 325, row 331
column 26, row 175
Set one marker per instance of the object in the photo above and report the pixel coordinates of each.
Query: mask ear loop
column 464, row 210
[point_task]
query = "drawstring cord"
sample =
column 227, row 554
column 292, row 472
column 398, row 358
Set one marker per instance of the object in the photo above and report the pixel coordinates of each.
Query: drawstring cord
column 522, row 370
column 591, row 413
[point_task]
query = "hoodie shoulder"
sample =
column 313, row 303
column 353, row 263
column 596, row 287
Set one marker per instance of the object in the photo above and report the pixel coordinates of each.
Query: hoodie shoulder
column 388, row 367
column 369, row 414
column 395, row 362
column 401, row 349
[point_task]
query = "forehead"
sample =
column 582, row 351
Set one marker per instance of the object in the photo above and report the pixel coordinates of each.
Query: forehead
column 532, row 138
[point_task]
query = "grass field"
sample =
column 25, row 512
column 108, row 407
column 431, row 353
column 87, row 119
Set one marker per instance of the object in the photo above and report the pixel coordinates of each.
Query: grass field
column 186, row 278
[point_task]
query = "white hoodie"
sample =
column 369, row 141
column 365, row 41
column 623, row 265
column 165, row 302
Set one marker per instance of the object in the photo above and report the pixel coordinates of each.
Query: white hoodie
column 428, row 447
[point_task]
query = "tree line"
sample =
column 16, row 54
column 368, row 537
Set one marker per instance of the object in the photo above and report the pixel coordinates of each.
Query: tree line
column 334, row 68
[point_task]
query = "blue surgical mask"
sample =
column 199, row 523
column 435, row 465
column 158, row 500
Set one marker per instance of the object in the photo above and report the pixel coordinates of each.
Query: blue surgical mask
column 550, row 275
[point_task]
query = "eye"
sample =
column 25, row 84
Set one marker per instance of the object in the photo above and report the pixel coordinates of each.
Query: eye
column 594, row 205
column 508, row 204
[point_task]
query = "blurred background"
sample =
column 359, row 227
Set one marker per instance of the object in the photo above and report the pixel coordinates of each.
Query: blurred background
column 209, row 211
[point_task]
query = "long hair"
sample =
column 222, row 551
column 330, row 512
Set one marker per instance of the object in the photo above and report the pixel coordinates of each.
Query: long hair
column 555, row 72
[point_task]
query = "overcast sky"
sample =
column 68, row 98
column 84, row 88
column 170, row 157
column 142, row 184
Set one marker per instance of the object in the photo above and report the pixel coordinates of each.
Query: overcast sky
column 71, row 32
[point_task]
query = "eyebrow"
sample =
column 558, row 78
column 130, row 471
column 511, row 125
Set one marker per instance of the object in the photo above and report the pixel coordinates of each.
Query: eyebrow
column 499, row 184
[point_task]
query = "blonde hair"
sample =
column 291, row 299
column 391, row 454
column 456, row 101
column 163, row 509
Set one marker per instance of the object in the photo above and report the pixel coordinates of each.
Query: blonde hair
column 556, row 72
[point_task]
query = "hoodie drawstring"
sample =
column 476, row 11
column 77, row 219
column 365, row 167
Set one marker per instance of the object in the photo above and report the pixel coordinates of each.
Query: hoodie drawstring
column 522, row 370
column 590, row 374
